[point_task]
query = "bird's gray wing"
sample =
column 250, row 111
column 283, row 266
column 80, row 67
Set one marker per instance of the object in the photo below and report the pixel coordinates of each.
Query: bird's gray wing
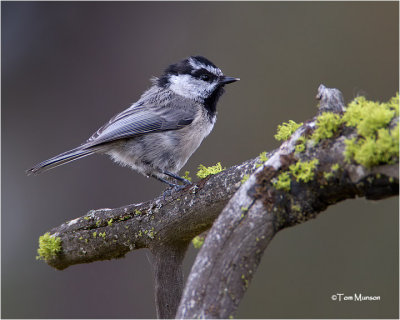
column 139, row 120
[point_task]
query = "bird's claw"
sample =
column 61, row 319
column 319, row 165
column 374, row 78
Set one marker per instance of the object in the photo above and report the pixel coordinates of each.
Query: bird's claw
column 174, row 188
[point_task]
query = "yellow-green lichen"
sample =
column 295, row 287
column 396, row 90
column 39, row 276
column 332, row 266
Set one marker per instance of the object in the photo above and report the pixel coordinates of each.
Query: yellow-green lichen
column 187, row 177
column 262, row 157
column 110, row 222
column 335, row 167
column 296, row 208
column 301, row 145
column 394, row 104
column 151, row 233
column 86, row 218
column 49, row 247
column 102, row 234
column 245, row 178
column 198, row 241
column 244, row 209
column 94, row 234
column 375, row 143
column 286, row 129
column 98, row 222
column 80, row 238
column 328, row 175
column 374, row 149
column 282, row 182
column 326, row 125
column 368, row 116
column 206, row 171
column 137, row 212
column 304, row 171
column 245, row 281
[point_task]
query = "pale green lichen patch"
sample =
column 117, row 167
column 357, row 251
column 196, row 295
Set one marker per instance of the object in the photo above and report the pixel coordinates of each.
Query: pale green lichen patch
column 286, row 129
column 110, row 222
column 151, row 233
column 102, row 234
column 300, row 145
column 394, row 104
column 186, row 176
column 245, row 178
column 262, row 158
column 368, row 116
column 328, row 175
column 137, row 212
column 206, row 171
column 198, row 241
column 296, row 208
column 370, row 151
column 376, row 143
column 245, row 281
column 335, row 167
column 326, row 126
column 304, row 171
column 282, row 182
column 49, row 247
column 94, row 234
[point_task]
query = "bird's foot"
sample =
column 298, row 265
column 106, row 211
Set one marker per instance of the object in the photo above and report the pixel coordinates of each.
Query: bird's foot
column 176, row 177
column 174, row 188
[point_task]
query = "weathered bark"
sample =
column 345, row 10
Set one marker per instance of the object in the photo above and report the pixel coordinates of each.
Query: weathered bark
column 233, row 248
column 110, row 233
column 168, row 276
column 252, row 213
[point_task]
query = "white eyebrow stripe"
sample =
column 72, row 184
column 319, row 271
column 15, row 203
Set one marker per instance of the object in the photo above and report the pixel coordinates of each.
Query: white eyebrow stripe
column 213, row 70
column 197, row 65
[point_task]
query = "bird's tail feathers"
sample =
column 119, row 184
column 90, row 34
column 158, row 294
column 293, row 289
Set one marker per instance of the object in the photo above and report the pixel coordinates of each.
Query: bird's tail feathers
column 61, row 159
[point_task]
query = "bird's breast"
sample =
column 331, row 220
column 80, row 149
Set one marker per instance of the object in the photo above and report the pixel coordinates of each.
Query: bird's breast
column 191, row 137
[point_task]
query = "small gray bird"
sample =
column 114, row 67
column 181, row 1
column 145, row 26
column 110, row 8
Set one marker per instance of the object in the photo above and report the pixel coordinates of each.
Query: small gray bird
column 158, row 134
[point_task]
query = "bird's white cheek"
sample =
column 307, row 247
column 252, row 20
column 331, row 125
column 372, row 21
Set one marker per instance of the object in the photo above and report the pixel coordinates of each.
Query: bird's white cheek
column 186, row 86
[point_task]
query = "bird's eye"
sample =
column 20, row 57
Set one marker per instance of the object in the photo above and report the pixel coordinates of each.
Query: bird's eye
column 205, row 77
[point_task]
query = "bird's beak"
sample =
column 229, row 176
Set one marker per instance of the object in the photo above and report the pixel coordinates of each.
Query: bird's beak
column 226, row 80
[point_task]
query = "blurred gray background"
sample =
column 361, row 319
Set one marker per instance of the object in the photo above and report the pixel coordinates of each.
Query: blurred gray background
column 68, row 67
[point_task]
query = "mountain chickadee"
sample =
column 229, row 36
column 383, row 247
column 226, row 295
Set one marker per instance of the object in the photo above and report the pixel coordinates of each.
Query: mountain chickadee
column 157, row 134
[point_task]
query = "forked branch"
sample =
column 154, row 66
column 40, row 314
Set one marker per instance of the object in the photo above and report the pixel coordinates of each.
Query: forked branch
column 297, row 182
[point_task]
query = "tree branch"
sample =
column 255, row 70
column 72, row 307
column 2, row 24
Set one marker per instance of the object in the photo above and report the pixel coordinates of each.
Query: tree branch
column 234, row 246
column 110, row 233
column 168, row 276
column 252, row 213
